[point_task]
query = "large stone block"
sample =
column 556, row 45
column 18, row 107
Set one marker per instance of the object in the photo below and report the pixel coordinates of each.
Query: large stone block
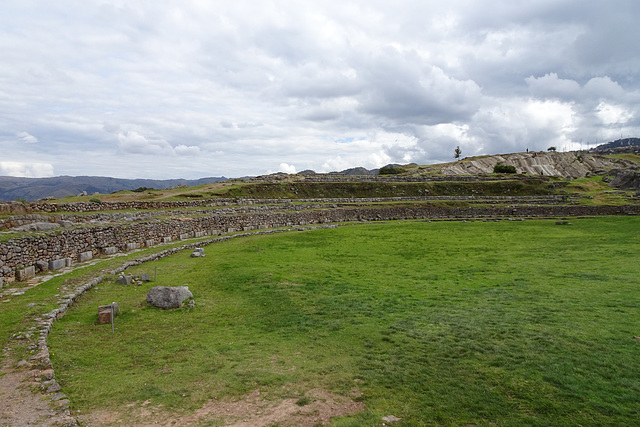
column 111, row 250
column 57, row 264
column 42, row 265
column 85, row 256
column 166, row 239
column 149, row 243
column 26, row 273
column 168, row 297
column 132, row 246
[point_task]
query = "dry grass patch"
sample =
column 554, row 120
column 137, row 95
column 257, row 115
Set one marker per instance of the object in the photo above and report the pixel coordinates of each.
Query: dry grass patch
column 315, row 408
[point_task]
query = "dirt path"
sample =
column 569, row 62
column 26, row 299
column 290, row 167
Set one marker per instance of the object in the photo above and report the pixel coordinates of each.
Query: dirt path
column 29, row 395
column 24, row 403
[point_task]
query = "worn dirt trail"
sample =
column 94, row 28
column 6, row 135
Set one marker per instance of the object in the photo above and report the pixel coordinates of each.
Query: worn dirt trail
column 23, row 404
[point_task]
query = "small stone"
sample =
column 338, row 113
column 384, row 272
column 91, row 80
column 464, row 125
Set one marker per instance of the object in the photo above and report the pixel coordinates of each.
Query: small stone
column 191, row 304
column 68, row 421
column 391, row 419
column 124, row 280
column 53, row 388
column 47, row 374
column 62, row 402
column 197, row 252
column 58, row 396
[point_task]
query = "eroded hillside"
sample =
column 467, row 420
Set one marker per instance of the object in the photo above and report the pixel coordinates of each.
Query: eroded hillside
column 567, row 165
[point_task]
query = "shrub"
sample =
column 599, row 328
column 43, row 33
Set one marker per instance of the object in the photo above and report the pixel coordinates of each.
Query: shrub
column 500, row 168
column 95, row 200
column 390, row 170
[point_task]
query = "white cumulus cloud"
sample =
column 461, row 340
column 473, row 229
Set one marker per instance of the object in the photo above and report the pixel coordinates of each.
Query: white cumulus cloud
column 287, row 168
column 27, row 170
column 134, row 142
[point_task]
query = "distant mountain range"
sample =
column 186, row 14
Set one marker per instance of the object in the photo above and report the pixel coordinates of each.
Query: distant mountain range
column 619, row 143
column 30, row 189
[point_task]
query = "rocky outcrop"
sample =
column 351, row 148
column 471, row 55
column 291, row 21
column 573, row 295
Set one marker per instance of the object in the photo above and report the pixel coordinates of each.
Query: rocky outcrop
column 568, row 165
column 625, row 179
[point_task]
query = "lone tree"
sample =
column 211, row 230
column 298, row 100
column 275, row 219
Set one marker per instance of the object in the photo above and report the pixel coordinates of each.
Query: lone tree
column 551, row 149
column 457, row 152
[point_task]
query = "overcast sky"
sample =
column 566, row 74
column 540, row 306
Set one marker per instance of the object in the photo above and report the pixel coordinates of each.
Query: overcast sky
column 194, row 88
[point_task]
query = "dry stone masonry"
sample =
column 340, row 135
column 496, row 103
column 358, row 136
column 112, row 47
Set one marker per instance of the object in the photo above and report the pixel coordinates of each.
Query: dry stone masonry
column 21, row 258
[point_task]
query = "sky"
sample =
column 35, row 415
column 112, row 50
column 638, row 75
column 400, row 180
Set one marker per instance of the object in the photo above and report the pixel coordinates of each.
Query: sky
column 194, row 88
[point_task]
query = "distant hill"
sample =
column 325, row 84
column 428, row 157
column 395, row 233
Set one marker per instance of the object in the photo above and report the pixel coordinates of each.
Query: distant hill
column 619, row 143
column 30, row 189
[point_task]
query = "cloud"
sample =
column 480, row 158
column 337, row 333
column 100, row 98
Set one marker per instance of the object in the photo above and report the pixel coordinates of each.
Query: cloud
column 135, row 143
column 287, row 168
column 604, row 87
column 613, row 114
column 550, row 86
column 26, row 138
column 417, row 79
column 28, row 170
column 420, row 96
column 184, row 150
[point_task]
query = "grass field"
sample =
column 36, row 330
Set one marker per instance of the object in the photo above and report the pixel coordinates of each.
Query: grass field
column 441, row 323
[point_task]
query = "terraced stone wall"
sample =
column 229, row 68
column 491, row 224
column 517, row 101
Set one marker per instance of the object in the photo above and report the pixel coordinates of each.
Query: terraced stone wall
column 22, row 257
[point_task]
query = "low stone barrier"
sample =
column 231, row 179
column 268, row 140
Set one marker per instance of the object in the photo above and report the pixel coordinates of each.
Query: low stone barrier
column 20, row 254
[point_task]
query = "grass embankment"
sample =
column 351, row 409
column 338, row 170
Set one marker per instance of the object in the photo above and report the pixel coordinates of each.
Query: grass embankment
column 355, row 189
column 595, row 191
column 625, row 156
column 511, row 323
column 297, row 190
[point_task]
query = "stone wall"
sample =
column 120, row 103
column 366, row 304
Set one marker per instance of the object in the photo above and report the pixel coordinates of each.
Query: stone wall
column 23, row 257
column 30, row 213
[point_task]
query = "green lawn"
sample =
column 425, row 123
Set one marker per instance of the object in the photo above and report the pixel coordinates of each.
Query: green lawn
column 442, row 323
